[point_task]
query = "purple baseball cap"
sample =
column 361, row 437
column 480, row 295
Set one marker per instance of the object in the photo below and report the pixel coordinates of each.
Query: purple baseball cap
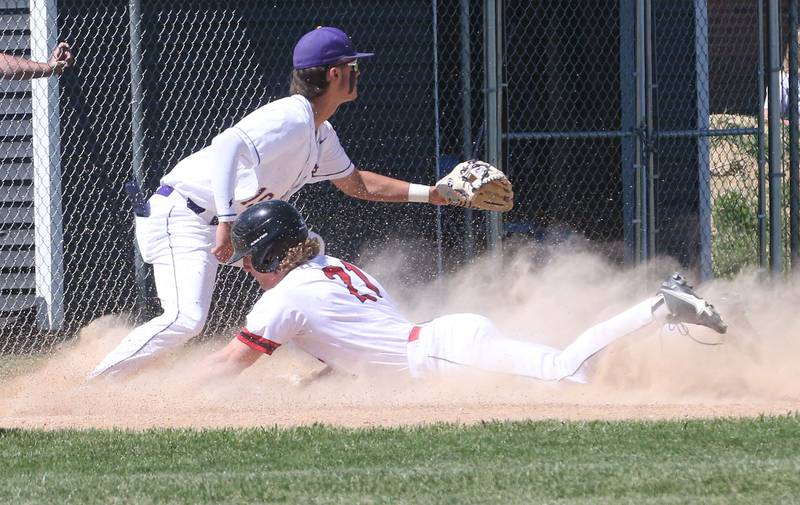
column 323, row 46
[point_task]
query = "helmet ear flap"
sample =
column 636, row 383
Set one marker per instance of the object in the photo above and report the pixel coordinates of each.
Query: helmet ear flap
column 265, row 262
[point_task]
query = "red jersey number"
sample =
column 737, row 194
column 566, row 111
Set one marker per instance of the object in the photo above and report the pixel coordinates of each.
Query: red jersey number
column 334, row 271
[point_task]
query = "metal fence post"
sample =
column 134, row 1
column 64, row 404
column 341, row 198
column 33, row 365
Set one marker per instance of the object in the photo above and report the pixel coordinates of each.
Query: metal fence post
column 494, row 100
column 644, row 117
column 762, row 186
column 794, row 117
column 627, row 66
column 640, row 220
column 465, row 48
column 48, row 215
column 775, row 144
column 650, row 208
column 437, row 144
column 137, row 138
column 703, row 123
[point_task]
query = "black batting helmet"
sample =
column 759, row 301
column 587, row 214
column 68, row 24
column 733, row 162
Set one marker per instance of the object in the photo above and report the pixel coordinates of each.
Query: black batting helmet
column 265, row 231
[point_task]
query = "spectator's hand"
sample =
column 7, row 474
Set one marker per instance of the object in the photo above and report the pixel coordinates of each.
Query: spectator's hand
column 61, row 58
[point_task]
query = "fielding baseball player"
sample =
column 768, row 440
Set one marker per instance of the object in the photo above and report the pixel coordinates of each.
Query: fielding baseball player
column 343, row 316
column 183, row 230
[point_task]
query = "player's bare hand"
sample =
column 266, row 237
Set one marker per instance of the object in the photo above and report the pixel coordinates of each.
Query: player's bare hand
column 435, row 198
column 61, row 58
column 224, row 248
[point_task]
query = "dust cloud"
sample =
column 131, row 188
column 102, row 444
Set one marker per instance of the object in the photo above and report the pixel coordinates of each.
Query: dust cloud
column 658, row 372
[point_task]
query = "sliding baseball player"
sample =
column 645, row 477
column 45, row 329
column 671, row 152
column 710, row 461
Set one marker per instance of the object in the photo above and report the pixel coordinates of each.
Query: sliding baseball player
column 343, row 316
column 184, row 229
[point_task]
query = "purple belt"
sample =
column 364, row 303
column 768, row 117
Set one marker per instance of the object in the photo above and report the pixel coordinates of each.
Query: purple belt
column 165, row 190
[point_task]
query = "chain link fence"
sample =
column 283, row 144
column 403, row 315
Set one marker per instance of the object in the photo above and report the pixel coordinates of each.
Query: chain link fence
column 564, row 133
column 706, row 161
column 635, row 125
column 635, row 131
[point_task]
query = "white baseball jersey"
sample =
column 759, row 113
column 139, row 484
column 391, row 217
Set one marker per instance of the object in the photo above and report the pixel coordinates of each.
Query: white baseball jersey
column 335, row 312
column 270, row 154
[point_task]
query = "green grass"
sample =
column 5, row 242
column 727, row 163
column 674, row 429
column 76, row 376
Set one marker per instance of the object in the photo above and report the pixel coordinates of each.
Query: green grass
column 724, row 461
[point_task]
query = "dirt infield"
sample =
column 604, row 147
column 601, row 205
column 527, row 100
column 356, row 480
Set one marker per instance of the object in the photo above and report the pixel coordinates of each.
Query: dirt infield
column 659, row 373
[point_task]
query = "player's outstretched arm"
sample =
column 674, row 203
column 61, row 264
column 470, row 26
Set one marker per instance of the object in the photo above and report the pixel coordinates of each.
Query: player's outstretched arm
column 380, row 188
column 228, row 362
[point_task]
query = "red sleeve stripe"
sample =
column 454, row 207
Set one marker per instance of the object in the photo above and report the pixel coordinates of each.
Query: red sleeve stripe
column 253, row 341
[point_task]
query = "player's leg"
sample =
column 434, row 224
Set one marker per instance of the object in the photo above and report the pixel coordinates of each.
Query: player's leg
column 469, row 340
column 184, row 271
column 456, row 342
column 450, row 342
column 185, row 294
column 676, row 302
column 568, row 362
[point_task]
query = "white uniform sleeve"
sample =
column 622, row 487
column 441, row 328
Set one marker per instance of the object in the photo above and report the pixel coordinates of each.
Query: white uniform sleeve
column 333, row 161
column 226, row 152
column 273, row 321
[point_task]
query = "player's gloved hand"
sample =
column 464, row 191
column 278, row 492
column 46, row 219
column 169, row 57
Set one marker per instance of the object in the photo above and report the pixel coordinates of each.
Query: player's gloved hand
column 476, row 184
column 224, row 248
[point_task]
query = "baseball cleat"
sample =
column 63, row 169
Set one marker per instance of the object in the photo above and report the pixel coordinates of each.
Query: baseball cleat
column 686, row 307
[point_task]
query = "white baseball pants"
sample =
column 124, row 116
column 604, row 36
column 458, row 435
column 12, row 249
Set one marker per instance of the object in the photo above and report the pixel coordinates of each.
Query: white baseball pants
column 178, row 243
column 450, row 343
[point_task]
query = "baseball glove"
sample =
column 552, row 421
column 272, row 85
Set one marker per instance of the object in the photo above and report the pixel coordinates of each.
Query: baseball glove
column 477, row 185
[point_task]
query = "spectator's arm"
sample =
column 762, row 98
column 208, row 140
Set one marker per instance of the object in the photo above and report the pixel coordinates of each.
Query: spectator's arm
column 16, row 67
